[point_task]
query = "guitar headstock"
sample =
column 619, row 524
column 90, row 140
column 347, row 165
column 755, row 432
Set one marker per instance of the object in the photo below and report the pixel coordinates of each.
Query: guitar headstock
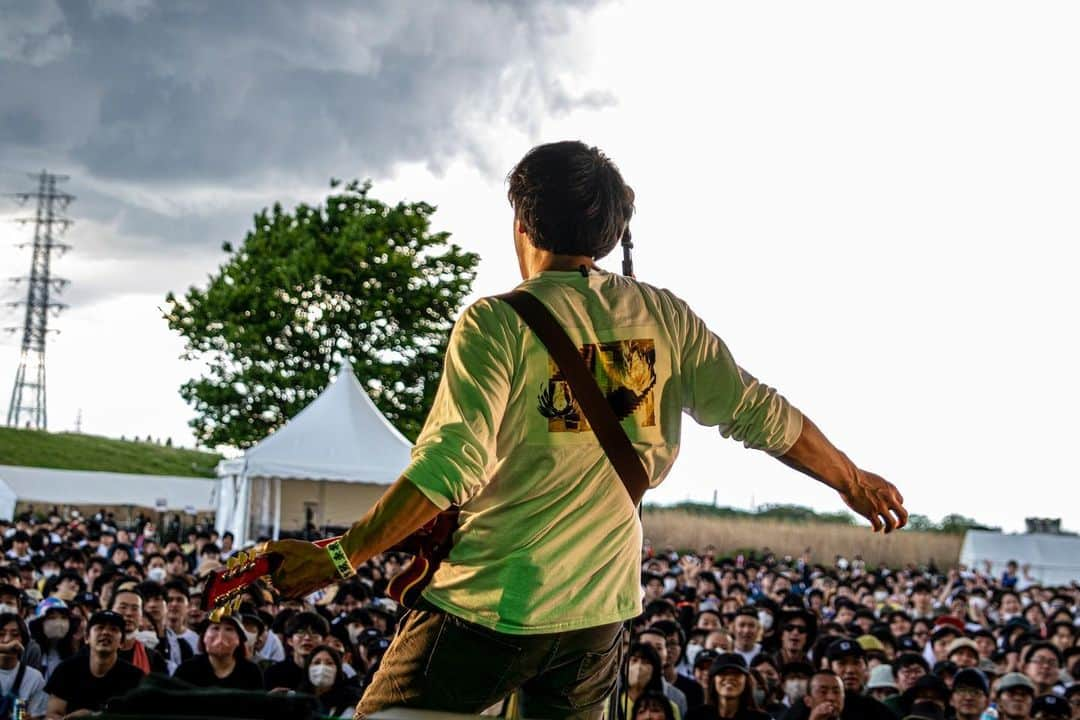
column 225, row 587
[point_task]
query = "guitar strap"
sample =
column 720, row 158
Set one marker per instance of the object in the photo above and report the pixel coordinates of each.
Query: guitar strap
column 605, row 424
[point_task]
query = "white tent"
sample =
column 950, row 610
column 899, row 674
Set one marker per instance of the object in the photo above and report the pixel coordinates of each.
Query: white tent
column 1054, row 559
column 86, row 487
column 328, row 463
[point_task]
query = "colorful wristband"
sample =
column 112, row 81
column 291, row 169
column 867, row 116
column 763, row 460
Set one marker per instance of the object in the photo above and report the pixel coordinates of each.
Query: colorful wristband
column 340, row 560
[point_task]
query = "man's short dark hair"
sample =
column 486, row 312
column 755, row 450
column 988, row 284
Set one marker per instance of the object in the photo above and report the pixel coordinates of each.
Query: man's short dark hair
column 307, row 621
column 571, row 199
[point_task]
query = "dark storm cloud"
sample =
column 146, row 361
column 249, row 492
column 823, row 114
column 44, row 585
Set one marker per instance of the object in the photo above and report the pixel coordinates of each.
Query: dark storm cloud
column 206, row 91
column 141, row 100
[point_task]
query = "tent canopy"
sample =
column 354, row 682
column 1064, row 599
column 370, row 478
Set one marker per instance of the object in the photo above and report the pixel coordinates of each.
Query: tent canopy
column 341, row 436
column 86, row 487
column 1054, row 559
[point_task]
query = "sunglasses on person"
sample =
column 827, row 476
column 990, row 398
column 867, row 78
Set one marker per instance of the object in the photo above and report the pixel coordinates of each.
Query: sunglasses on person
column 795, row 627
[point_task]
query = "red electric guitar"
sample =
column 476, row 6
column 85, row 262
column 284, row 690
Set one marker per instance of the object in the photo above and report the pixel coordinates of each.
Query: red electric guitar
column 429, row 546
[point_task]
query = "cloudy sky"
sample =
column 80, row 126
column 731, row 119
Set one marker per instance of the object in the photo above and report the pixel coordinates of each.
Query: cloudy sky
column 875, row 204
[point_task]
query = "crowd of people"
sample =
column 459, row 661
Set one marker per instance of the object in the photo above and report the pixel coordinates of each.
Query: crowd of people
column 89, row 610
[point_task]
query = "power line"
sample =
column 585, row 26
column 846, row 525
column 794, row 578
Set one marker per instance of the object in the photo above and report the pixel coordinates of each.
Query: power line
column 28, row 398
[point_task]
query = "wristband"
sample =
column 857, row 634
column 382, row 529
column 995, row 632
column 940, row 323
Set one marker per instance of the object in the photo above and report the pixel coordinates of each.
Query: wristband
column 340, row 560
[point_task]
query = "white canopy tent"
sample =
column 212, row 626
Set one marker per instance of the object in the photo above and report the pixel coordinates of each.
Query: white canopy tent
column 87, row 487
column 1054, row 559
column 329, row 462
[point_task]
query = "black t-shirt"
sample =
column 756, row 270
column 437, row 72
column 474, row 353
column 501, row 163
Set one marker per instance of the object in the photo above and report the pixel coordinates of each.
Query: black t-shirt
column 285, row 674
column 198, row 671
column 72, row 681
column 856, row 707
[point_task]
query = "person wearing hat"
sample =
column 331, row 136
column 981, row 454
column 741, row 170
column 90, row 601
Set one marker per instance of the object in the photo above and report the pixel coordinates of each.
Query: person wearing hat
column 797, row 633
column 88, row 680
column 899, row 623
column 970, row 694
column 964, row 652
column 54, row 630
column 925, row 711
column 222, row 659
column 1051, row 707
column 882, row 684
column 702, row 662
column 730, row 692
column 1015, row 696
column 928, row 688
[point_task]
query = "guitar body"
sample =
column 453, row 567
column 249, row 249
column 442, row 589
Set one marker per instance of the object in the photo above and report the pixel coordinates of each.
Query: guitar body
column 429, row 545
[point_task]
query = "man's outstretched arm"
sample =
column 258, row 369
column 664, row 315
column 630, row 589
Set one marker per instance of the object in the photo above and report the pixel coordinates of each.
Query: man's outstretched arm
column 870, row 495
column 306, row 568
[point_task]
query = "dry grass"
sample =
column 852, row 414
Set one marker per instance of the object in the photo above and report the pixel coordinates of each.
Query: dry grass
column 680, row 529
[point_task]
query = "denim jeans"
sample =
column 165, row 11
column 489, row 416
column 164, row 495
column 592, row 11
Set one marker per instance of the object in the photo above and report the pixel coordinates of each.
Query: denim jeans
column 438, row 661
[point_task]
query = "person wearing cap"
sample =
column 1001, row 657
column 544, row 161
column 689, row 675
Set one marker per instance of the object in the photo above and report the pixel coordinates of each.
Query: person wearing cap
column 882, row 684
column 16, row 677
column 54, row 630
column 847, row 659
column 964, row 652
column 730, row 692
column 925, row 711
column 1015, row 696
column 1051, row 707
column 88, row 680
column 927, row 689
column 222, row 659
column 550, row 559
column 702, row 662
column 970, row 695
column 798, row 632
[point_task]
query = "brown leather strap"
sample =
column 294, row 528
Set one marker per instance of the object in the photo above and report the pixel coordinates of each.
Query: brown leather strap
column 609, row 431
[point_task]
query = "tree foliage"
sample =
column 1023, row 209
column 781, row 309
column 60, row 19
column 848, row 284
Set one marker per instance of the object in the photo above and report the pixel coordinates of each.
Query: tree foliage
column 351, row 279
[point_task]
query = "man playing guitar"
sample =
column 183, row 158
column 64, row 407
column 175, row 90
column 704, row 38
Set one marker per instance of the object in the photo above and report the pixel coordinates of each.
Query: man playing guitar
column 545, row 563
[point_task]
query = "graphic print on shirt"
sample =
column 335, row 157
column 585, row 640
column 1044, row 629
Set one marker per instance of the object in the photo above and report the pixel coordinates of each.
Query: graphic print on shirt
column 625, row 370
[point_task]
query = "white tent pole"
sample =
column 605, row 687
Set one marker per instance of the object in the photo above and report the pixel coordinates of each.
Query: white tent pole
column 277, row 508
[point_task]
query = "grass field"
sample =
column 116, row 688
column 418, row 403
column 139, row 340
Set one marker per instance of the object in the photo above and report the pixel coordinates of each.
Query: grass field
column 683, row 530
column 73, row 451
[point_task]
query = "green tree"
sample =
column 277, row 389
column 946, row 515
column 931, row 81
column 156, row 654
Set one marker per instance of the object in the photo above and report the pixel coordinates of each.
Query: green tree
column 351, row 279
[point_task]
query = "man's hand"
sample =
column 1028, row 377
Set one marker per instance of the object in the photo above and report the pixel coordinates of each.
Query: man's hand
column 824, row 711
column 877, row 500
column 304, row 568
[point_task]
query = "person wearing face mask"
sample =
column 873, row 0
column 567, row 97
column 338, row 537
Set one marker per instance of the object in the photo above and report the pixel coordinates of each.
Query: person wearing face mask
column 644, row 673
column 767, row 690
column 325, row 679
column 156, row 570
column 53, row 629
column 794, row 678
column 222, row 661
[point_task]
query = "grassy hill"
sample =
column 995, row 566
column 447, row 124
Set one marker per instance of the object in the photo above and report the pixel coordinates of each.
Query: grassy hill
column 72, row 451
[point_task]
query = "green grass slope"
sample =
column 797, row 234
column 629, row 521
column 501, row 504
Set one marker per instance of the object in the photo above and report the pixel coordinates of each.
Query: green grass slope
column 71, row 451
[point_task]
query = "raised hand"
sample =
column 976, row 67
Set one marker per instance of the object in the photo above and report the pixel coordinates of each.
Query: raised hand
column 877, row 500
